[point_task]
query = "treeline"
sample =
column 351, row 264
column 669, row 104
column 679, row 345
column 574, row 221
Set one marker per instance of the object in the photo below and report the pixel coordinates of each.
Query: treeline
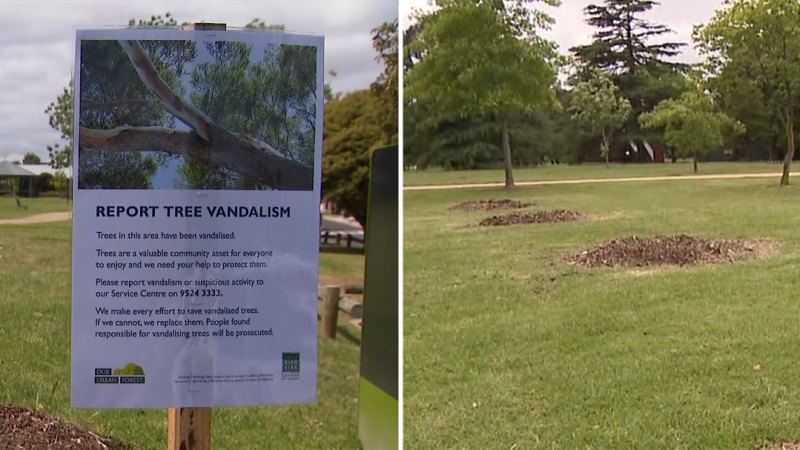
column 483, row 87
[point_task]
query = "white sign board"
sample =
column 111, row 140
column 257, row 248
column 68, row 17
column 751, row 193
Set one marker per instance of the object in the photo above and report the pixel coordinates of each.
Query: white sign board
column 196, row 218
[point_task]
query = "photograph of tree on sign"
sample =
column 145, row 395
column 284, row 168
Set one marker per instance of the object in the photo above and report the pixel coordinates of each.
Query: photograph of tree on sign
column 181, row 114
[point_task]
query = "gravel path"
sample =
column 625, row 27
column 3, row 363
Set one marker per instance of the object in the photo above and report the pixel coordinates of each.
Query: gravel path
column 594, row 180
column 39, row 218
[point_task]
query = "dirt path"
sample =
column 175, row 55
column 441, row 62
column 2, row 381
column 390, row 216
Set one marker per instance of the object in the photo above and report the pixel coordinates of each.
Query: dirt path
column 39, row 218
column 594, row 180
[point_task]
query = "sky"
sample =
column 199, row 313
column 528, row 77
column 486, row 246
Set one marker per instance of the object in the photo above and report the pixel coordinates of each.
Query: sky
column 37, row 47
column 570, row 29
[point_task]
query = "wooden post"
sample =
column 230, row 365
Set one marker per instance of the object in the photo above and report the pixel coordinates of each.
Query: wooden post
column 189, row 429
column 330, row 311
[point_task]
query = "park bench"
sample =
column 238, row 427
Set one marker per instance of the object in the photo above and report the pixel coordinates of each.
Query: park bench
column 19, row 203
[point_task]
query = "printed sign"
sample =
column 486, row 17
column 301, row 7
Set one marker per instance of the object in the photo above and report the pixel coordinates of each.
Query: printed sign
column 196, row 218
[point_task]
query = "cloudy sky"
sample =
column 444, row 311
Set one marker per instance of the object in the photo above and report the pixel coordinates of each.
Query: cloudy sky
column 571, row 30
column 37, row 47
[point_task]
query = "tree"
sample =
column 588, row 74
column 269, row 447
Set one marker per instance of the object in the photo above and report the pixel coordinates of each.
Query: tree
column 31, row 158
column 621, row 43
column 60, row 116
column 352, row 129
column 599, row 107
column 61, row 182
column 357, row 123
column 279, row 99
column 484, row 60
column 756, row 43
column 385, row 43
column 745, row 103
column 691, row 124
column 622, row 48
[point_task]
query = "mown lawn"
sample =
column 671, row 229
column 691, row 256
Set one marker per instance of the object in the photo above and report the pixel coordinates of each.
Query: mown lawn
column 593, row 170
column 35, row 358
column 508, row 347
column 41, row 205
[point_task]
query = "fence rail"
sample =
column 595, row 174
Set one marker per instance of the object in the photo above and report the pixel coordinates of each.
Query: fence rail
column 334, row 302
column 351, row 240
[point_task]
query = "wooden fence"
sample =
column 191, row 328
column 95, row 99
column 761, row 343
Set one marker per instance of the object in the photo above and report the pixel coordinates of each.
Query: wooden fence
column 350, row 240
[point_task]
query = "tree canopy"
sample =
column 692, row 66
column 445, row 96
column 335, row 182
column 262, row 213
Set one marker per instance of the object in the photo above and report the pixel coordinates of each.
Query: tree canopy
column 599, row 107
column 483, row 60
column 623, row 40
column 691, row 124
column 31, row 158
column 754, row 46
column 357, row 123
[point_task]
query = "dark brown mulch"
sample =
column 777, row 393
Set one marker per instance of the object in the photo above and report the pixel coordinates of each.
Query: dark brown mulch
column 556, row 215
column 678, row 250
column 28, row 429
column 490, row 205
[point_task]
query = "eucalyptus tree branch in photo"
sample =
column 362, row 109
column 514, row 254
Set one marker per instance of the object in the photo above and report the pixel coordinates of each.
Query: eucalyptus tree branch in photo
column 207, row 141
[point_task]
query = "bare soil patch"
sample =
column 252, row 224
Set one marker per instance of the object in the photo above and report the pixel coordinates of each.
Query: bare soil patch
column 781, row 446
column 29, row 429
column 490, row 205
column 556, row 215
column 676, row 250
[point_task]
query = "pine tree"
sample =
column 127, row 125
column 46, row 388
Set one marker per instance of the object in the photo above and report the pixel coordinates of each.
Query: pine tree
column 620, row 46
column 622, row 49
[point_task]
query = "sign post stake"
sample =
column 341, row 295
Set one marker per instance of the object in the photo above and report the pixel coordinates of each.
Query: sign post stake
column 190, row 428
column 331, row 311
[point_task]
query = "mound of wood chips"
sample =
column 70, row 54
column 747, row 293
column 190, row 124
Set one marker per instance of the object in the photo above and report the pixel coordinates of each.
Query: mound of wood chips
column 29, row 429
column 676, row 250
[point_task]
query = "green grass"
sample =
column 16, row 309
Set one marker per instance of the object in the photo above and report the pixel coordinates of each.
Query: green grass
column 506, row 346
column 9, row 209
column 341, row 268
column 35, row 359
column 567, row 172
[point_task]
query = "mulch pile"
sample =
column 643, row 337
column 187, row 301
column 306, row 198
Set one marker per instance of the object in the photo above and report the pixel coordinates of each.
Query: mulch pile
column 490, row 205
column 28, row 429
column 556, row 215
column 679, row 250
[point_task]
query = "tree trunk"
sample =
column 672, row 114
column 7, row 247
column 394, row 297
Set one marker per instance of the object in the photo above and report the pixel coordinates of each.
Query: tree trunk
column 606, row 149
column 787, row 160
column 507, row 156
column 695, row 163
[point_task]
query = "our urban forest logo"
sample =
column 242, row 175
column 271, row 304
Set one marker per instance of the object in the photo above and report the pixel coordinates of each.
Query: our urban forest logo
column 291, row 366
column 131, row 373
